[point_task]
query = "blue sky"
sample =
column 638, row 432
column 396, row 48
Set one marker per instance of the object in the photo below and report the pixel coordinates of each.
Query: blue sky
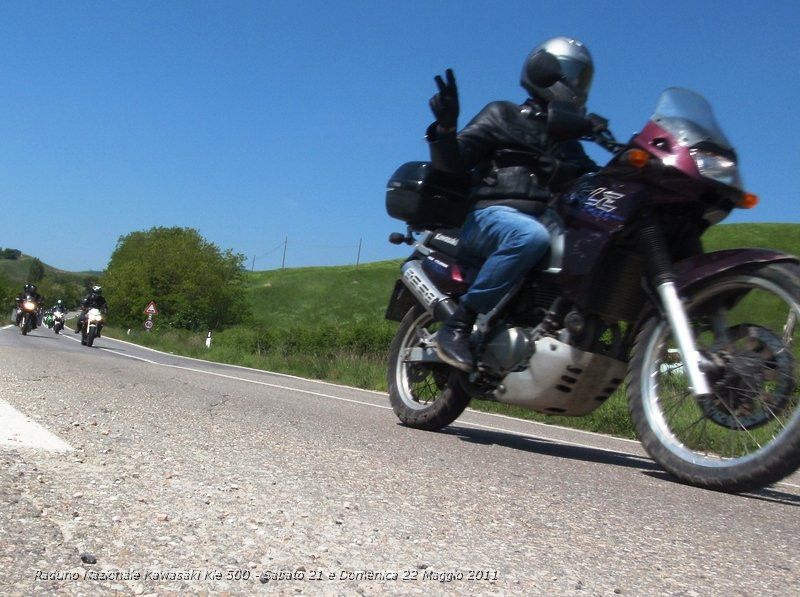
column 260, row 121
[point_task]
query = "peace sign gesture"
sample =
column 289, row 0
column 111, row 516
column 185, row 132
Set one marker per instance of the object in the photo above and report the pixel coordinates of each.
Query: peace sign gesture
column 444, row 104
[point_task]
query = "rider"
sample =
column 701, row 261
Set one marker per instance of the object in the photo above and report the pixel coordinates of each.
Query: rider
column 501, row 228
column 29, row 291
column 59, row 306
column 93, row 300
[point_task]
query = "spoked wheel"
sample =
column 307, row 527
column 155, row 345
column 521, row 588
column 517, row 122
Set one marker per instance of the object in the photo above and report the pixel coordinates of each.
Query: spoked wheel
column 746, row 434
column 423, row 395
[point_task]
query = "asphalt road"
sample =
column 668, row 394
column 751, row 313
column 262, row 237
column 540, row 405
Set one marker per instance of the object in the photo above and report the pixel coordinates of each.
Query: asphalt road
column 132, row 471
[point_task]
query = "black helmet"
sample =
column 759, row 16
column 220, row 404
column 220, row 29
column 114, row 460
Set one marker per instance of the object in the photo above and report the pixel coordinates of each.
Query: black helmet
column 576, row 67
column 30, row 288
column 97, row 289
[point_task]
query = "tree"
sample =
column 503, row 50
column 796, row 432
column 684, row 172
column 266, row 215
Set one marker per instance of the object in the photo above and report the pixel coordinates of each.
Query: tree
column 36, row 271
column 6, row 297
column 194, row 283
column 10, row 254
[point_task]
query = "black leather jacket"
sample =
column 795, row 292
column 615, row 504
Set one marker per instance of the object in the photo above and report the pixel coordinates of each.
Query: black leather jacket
column 94, row 301
column 514, row 162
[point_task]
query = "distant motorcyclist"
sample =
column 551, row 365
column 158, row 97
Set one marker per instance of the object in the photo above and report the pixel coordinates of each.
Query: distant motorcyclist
column 93, row 300
column 30, row 292
column 55, row 315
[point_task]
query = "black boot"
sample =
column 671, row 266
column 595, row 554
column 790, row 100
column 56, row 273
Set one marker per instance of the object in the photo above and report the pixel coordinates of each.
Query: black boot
column 452, row 340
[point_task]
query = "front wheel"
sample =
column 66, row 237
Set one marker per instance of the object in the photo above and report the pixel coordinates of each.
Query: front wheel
column 90, row 335
column 25, row 326
column 423, row 395
column 746, row 434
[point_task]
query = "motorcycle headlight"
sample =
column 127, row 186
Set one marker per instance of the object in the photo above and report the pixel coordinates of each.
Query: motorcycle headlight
column 29, row 305
column 96, row 318
column 717, row 167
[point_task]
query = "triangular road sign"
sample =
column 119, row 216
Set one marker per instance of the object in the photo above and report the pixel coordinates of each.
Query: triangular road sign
column 151, row 308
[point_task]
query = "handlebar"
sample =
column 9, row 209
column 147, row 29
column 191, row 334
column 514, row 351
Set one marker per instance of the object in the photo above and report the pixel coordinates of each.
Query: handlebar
column 606, row 140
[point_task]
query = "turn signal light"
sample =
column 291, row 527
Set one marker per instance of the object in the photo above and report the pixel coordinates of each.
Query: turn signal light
column 748, row 201
column 637, row 158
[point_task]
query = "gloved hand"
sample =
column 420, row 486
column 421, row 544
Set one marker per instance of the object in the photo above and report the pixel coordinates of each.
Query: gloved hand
column 444, row 104
column 598, row 123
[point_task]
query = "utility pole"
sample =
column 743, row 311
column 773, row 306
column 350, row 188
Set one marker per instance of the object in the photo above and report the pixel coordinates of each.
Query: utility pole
column 358, row 257
column 253, row 267
column 283, row 262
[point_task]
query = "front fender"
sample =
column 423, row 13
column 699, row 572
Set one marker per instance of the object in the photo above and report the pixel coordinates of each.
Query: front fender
column 696, row 269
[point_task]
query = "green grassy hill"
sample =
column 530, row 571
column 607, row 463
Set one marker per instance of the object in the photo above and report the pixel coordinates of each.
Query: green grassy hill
column 57, row 283
column 781, row 237
column 346, row 295
column 16, row 270
column 323, row 295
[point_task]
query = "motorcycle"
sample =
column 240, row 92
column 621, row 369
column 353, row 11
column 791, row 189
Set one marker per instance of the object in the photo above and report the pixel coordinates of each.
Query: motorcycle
column 27, row 314
column 58, row 321
column 706, row 343
column 92, row 324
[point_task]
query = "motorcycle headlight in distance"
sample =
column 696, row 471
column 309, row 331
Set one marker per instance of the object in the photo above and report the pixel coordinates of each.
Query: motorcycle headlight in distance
column 716, row 167
column 29, row 305
column 96, row 318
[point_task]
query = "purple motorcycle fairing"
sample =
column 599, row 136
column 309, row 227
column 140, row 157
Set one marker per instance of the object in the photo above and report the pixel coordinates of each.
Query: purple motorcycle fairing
column 601, row 209
column 661, row 143
column 595, row 210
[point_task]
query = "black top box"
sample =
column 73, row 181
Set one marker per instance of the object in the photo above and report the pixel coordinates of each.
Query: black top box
column 427, row 198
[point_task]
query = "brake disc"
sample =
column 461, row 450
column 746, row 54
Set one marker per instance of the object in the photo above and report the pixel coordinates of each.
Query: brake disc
column 757, row 384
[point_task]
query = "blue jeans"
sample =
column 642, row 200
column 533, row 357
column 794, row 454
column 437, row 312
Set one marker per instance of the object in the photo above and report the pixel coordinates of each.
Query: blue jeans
column 511, row 243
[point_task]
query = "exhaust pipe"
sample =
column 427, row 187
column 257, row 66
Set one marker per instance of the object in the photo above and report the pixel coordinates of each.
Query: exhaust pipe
column 434, row 300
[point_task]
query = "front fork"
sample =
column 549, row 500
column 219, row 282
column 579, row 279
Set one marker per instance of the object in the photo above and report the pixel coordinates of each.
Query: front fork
column 658, row 258
column 682, row 331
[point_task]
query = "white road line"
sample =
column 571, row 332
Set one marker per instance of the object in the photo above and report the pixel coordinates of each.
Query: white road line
column 380, row 406
column 20, row 431
column 527, row 422
column 361, row 402
column 5, row 327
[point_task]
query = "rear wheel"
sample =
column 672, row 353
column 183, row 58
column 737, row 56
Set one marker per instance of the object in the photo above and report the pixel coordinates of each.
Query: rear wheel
column 423, row 395
column 746, row 434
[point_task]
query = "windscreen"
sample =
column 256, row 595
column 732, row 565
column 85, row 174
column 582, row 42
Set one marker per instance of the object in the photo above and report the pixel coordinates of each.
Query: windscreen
column 688, row 116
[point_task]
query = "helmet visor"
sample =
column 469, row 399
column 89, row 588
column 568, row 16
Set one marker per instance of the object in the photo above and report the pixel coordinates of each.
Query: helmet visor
column 578, row 75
